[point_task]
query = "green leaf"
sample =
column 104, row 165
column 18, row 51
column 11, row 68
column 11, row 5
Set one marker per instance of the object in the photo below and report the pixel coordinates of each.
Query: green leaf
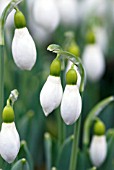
column 48, row 150
column 64, row 155
column 24, row 152
column 21, row 165
column 92, row 115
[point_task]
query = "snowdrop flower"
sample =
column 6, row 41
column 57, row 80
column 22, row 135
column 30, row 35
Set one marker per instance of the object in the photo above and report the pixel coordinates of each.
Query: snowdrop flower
column 71, row 104
column 94, row 63
column 51, row 93
column 68, row 12
column 23, row 46
column 98, row 147
column 45, row 14
column 9, row 137
column 101, row 37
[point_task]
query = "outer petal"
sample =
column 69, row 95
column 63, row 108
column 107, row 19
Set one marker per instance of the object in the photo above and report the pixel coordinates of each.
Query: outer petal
column 46, row 14
column 94, row 63
column 71, row 104
column 23, row 49
column 98, row 150
column 51, row 94
column 77, row 71
column 9, row 142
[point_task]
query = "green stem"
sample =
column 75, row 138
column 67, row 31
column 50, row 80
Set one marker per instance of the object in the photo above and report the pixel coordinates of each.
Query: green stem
column 61, row 131
column 1, row 78
column 74, row 152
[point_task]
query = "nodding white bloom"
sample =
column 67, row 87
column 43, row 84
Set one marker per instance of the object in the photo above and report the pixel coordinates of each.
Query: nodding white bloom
column 51, row 94
column 23, row 49
column 98, row 150
column 45, row 14
column 94, row 63
column 101, row 37
column 69, row 64
column 68, row 12
column 71, row 104
column 9, row 142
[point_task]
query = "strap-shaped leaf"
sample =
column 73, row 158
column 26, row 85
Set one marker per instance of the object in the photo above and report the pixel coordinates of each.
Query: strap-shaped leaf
column 22, row 164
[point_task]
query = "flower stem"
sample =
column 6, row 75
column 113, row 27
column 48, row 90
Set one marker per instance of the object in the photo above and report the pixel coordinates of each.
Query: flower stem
column 74, row 152
column 1, row 78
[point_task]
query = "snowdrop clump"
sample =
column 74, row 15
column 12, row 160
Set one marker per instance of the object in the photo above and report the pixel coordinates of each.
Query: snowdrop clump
column 51, row 93
column 93, row 60
column 9, row 137
column 71, row 104
column 45, row 14
column 23, row 46
column 98, row 147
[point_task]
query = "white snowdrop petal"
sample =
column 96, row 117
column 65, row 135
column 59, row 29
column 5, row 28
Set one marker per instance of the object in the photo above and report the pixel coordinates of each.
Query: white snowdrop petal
column 94, row 63
column 69, row 64
column 9, row 142
column 98, row 150
column 71, row 104
column 51, row 94
column 46, row 14
column 23, row 49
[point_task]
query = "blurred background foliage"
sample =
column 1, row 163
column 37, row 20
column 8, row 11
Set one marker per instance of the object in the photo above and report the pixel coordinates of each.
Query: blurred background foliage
column 30, row 119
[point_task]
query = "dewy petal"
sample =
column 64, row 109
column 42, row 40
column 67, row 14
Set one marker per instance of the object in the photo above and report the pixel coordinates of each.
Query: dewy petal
column 23, row 49
column 98, row 150
column 94, row 63
column 71, row 104
column 51, row 94
column 9, row 142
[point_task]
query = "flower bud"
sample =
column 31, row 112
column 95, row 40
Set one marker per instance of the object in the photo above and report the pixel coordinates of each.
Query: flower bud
column 71, row 77
column 55, row 68
column 19, row 19
column 94, row 62
column 9, row 142
column 71, row 104
column 51, row 94
column 99, row 128
column 23, row 49
column 98, row 150
column 8, row 114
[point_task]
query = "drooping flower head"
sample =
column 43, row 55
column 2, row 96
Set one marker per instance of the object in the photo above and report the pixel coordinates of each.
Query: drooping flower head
column 23, row 46
column 71, row 104
column 51, row 93
column 93, row 59
column 9, row 137
column 98, row 147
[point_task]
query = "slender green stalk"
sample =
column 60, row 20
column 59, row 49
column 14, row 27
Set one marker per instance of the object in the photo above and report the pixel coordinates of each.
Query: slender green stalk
column 1, row 78
column 74, row 152
column 61, row 130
